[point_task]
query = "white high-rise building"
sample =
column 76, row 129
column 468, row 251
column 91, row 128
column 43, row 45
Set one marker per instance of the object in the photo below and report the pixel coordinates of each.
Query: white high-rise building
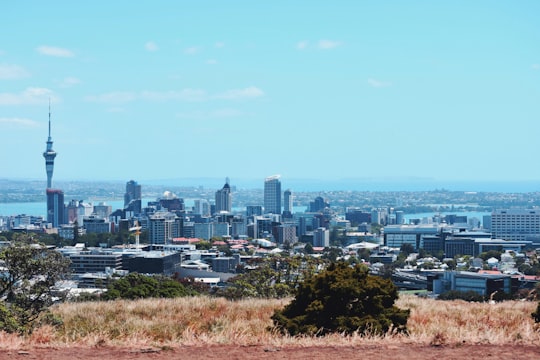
column 163, row 227
column 515, row 224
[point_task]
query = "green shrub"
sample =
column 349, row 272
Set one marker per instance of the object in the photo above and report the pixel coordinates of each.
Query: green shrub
column 536, row 315
column 344, row 299
column 470, row 295
column 139, row 286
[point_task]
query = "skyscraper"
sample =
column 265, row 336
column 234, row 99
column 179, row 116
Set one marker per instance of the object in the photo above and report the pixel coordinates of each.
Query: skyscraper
column 287, row 204
column 132, row 197
column 55, row 207
column 272, row 195
column 49, row 155
column 224, row 198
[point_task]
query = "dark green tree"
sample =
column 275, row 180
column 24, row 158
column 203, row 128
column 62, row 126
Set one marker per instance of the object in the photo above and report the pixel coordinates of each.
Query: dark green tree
column 470, row 295
column 406, row 249
column 536, row 314
column 139, row 286
column 344, row 299
column 489, row 254
column 26, row 285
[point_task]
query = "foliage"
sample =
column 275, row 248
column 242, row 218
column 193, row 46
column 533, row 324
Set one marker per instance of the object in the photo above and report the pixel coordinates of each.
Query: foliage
column 189, row 283
column 536, row 314
column 273, row 277
column 139, row 286
column 489, row 254
column 406, row 249
column 308, row 249
column 461, row 295
column 344, row 299
column 26, row 286
column 332, row 253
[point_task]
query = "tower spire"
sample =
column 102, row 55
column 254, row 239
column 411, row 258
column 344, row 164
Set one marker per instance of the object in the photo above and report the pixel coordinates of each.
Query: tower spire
column 49, row 138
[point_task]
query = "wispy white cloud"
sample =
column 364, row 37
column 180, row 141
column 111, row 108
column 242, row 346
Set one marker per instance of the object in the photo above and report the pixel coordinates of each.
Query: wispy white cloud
column 30, row 96
column 240, row 94
column 192, row 50
column 8, row 72
column 215, row 114
column 328, row 44
column 378, row 83
column 69, row 82
column 302, row 45
column 19, row 122
column 184, row 95
column 535, row 66
column 151, row 46
column 54, row 51
column 219, row 44
column 211, row 61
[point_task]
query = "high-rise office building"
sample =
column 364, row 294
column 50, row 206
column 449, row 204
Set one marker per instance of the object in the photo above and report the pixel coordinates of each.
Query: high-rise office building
column 318, row 205
column 163, row 227
column 55, row 207
column 288, row 201
column 132, row 197
column 515, row 224
column 272, row 195
column 224, row 198
column 49, row 155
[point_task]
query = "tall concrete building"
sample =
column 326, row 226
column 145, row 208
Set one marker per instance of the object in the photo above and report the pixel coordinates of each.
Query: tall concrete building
column 55, row 207
column 224, row 198
column 516, row 224
column 288, row 201
column 272, row 195
column 321, row 237
column 163, row 227
column 132, row 197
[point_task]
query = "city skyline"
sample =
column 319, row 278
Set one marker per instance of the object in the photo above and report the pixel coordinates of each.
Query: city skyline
column 308, row 90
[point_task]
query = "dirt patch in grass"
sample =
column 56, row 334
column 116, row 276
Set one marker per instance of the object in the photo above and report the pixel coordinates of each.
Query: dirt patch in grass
column 390, row 351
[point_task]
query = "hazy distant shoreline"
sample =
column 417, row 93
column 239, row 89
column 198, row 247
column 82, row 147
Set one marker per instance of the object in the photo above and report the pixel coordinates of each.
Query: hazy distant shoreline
column 312, row 185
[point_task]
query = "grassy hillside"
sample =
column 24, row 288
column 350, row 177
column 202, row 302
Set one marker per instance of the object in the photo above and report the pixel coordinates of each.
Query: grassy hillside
column 213, row 321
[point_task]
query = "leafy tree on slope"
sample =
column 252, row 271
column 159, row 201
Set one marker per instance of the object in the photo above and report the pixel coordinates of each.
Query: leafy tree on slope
column 344, row 299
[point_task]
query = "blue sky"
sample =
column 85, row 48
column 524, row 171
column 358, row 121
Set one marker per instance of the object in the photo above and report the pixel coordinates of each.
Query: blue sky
column 448, row 90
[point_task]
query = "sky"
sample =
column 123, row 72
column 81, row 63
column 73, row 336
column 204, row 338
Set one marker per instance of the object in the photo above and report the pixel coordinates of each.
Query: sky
column 444, row 90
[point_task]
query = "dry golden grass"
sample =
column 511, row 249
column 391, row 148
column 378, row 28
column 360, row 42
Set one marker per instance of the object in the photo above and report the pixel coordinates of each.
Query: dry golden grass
column 214, row 321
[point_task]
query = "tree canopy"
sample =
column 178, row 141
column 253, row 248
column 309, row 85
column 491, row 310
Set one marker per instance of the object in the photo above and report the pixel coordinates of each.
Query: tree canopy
column 343, row 299
column 139, row 286
column 26, row 286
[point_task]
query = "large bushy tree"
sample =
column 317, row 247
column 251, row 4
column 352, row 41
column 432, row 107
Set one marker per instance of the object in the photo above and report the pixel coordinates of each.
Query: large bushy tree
column 26, row 284
column 139, row 286
column 345, row 299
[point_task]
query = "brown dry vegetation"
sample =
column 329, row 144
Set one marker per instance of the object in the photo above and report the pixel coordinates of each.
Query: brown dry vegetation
column 209, row 322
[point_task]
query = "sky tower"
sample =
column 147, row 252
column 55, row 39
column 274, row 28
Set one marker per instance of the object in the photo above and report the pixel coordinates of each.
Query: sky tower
column 49, row 154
